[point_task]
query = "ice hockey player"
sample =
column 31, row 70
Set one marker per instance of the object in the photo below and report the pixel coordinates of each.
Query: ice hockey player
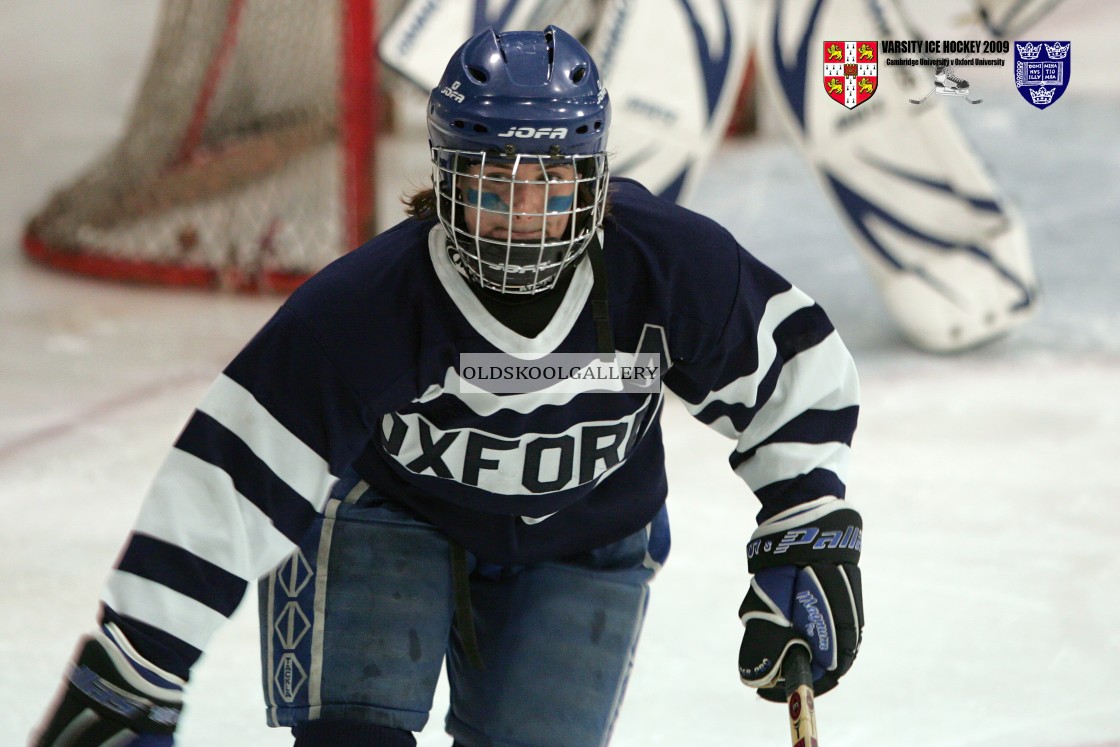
column 398, row 513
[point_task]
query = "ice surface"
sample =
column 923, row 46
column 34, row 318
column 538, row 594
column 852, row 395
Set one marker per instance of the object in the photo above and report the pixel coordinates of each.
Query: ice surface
column 987, row 480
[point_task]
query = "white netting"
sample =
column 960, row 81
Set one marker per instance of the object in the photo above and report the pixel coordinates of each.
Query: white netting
column 234, row 165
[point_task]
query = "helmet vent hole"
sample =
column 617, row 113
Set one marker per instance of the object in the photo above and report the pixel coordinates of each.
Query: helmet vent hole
column 582, row 129
column 478, row 74
column 578, row 74
column 481, row 128
column 458, row 123
column 598, row 125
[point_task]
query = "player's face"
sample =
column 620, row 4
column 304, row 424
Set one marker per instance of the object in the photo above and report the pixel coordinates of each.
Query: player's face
column 523, row 202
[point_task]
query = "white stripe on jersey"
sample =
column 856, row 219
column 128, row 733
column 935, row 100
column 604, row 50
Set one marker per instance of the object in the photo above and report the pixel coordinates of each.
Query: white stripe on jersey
column 744, row 390
column 290, row 459
column 153, row 603
column 783, row 461
column 820, row 378
column 193, row 505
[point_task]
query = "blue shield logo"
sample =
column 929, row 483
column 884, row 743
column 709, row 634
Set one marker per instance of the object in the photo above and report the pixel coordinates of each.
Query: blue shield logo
column 1041, row 71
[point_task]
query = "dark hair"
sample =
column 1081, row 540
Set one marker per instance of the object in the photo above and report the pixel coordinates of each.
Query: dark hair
column 421, row 203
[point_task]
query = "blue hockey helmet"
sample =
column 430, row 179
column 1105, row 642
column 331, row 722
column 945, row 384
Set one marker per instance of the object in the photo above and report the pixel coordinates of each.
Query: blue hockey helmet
column 535, row 92
column 516, row 113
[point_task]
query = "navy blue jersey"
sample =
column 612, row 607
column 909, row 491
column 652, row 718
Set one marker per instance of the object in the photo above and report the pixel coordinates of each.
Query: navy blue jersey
column 360, row 370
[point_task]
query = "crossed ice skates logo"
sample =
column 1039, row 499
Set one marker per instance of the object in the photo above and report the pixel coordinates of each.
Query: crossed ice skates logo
column 947, row 84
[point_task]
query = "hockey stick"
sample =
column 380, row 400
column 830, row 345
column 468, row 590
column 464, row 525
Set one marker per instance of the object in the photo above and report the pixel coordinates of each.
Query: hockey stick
column 799, row 696
column 917, row 101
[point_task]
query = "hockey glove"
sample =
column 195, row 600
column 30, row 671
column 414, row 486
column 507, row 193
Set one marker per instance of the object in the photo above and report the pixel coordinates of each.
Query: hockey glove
column 113, row 696
column 806, row 591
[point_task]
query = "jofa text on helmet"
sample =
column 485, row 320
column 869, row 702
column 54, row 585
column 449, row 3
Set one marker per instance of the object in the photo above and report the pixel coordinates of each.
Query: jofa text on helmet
column 452, row 92
column 535, row 133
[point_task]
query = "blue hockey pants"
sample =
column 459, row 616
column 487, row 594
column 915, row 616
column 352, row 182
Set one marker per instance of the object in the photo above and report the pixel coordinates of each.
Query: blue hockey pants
column 357, row 624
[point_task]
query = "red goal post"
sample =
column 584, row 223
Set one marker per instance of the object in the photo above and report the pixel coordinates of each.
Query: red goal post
column 247, row 162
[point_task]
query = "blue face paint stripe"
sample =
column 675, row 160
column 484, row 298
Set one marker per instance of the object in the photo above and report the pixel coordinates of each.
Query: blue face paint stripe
column 491, row 201
column 486, row 200
column 560, row 203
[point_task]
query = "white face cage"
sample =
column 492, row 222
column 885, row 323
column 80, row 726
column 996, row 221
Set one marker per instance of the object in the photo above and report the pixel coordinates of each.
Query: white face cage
column 514, row 223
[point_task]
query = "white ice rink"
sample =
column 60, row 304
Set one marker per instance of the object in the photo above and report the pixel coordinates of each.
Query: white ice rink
column 989, row 482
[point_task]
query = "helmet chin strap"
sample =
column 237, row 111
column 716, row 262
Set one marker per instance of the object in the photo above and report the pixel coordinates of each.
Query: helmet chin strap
column 600, row 311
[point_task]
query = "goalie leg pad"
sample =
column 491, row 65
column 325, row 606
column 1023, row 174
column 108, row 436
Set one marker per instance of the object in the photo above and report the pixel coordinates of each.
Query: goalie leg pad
column 947, row 251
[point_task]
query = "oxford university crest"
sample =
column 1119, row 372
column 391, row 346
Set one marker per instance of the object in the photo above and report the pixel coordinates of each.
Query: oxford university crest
column 1041, row 71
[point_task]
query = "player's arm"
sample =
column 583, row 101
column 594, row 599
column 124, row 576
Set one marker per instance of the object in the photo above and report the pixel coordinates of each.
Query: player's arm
column 249, row 473
column 781, row 383
column 113, row 695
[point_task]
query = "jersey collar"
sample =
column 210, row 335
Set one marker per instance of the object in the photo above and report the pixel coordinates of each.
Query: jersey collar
column 494, row 332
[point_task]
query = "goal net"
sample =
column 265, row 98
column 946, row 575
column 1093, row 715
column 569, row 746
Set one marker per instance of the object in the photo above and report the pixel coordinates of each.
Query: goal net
column 247, row 161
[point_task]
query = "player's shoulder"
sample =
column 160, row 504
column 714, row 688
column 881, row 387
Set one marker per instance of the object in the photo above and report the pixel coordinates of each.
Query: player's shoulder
column 668, row 230
column 381, row 290
column 685, row 251
column 365, row 311
column 380, row 274
column 631, row 202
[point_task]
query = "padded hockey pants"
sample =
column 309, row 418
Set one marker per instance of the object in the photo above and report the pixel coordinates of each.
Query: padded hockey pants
column 356, row 624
